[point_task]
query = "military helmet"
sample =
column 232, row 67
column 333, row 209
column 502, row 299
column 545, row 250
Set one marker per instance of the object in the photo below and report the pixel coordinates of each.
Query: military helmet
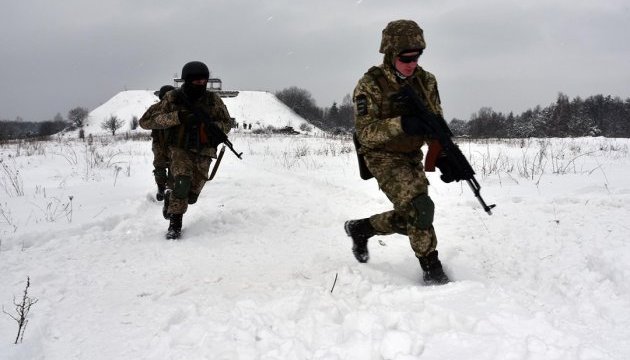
column 401, row 35
column 163, row 90
column 195, row 69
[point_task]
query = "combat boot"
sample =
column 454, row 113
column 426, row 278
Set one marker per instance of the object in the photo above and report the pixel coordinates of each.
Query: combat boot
column 360, row 231
column 175, row 227
column 432, row 268
column 167, row 198
column 159, row 196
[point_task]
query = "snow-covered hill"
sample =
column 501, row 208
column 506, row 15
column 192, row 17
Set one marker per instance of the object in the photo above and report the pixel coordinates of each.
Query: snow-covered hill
column 124, row 105
column 258, row 108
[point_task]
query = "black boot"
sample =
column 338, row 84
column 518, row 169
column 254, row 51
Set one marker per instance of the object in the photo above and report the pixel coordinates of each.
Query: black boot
column 432, row 268
column 167, row 198
column 360, row 231
column 160, row 192
column 175, row 227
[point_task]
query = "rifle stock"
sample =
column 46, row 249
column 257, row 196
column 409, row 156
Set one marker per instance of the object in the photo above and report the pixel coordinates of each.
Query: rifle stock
column 435, row 149
column 456, row 159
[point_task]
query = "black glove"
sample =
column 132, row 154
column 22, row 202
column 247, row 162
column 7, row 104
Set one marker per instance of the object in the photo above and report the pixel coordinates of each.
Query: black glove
column 442, row 163
column 414, row 125
column 186, row 117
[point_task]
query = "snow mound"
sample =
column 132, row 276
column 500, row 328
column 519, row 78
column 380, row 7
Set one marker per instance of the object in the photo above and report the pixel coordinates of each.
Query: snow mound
column 258, row 108
column 124, row 105
column 262, row 109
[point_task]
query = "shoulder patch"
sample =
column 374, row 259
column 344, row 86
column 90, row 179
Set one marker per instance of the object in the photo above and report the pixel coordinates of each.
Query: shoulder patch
column 361, row 104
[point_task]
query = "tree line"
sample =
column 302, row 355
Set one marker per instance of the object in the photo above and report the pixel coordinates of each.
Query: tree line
column 20, row 129
column 597, row 115
column 338, row 118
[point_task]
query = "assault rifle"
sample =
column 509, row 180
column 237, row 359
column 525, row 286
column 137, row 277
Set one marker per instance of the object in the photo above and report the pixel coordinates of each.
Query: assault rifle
column 215, row 133
column 445, row 151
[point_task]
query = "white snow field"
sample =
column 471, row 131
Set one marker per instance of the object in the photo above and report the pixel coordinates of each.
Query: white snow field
column 546, row 276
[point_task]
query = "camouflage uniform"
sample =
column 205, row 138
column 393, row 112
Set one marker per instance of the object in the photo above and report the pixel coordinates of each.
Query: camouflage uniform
column 161, row 160
column 159, row 146
column 392, row 156
column 190, row 153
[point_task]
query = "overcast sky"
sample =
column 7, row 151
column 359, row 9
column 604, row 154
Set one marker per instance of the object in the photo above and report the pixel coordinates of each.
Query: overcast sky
column 506, row 54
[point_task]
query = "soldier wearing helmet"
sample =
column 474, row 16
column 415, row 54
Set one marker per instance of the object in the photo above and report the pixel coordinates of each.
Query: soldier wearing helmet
column 389, row 138
column 185, row 114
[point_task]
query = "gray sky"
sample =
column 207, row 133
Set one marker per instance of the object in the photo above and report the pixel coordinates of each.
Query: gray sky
column 506, row 54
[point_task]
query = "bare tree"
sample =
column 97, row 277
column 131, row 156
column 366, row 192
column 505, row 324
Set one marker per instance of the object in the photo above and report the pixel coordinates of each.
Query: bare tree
column 22, row 310
column 77, row 116
column 112, row 124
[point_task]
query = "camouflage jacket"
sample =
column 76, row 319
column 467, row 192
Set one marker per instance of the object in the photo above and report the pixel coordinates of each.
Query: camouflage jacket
column 377, row 114
column 156, row 134
column 166, row 115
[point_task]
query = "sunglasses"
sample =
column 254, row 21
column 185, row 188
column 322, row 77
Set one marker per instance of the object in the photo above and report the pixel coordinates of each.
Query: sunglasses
column 408, row 58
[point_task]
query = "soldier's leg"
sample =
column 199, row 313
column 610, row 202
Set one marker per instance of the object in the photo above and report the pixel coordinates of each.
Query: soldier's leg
column 182, row 168
column 160, row 164
column 389, row 222
column 380, row 224
column 413, row 208
column 200, row 174
column 406, row 185
column 392, row 173
column 424, row 241
column 420, row 225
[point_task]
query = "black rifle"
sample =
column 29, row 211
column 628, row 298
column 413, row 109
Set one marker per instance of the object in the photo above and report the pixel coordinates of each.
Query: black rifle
column 216, row 135
column 437, row 127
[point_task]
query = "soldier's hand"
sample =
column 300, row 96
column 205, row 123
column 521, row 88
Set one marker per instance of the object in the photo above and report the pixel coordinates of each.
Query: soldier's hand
column 216, row 134
column 186, row 117
column 414, row 125
column 442, row 163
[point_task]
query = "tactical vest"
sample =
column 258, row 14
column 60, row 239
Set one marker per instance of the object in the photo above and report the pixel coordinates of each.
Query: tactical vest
column 183, row 136
column 391, row 106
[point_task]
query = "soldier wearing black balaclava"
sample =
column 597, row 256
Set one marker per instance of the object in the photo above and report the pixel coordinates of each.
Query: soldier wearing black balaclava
column 185, row 114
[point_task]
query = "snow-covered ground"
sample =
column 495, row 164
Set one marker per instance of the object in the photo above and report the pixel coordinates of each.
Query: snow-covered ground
column 545, row 277
column 258, row 109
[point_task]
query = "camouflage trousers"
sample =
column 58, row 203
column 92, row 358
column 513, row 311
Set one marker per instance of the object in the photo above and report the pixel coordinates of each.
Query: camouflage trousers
column 190, row 172
column 160, row 162
column 401, row 177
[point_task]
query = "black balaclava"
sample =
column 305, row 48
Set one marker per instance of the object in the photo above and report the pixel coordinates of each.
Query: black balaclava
column 193, row 91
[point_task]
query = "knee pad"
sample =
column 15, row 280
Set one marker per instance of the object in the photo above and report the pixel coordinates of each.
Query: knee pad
column 160, row 173
column 181, row 187
column 425, row 209
column 192, row 198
